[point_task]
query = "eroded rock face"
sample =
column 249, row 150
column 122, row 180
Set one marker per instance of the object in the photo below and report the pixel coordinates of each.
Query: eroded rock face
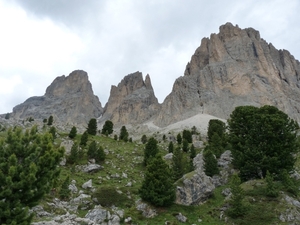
column 132, row 101
column 232, row 68
column 68, row 99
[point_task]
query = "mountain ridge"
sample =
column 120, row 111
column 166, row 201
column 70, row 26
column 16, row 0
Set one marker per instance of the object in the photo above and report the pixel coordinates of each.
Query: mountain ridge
column 231, row 68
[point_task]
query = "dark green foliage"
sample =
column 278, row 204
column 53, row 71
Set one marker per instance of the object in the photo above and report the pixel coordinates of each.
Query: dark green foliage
column 92, row 127
column 237, row 206
column 215, row 126
column 144, row 139
column 187, row 135
column 271, row 190
column 107, row 127
column 115, row 137
column 50, row 121
column 65, row 192
column 92, row 149
column 178, row 164
column 289, row 183
column 262, row 139
column 30, row 119
column 96, row 152
column 157, row 187
column 45, row 120
column 216, row 145
column 130, row 139
column 108, row 196
column 193, row 152
column 28, row 167
column 123, row 134
column 151, row 149
column 185, row 145
column 73, row 132
column 74, row 154
column 171, row 147
column 179, row 139
column 164, row 137
column 52, row 131
column 211, row 164
column 84, row 138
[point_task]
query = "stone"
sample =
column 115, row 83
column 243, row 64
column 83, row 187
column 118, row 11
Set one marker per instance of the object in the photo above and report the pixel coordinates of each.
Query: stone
column 181, row 218
column 72, row 187
column 168, row 156
column 195, row 189
column 91, row 168
column 147, row 211
column 87, row 184
column 98, row 214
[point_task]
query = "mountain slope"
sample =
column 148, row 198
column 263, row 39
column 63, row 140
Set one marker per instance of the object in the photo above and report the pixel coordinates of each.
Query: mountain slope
column 232, row 68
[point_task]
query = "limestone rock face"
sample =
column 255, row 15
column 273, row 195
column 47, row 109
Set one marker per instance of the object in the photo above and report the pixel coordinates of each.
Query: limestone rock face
column 232, row 68
column 132, row 101
column 68, row 99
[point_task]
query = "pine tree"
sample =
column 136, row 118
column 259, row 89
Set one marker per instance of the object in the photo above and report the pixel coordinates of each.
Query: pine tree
column 92, row 127
column 84, row 138
column 157, row 187
column 271, row 190
column 92, row 149
column 107, row 127
column 73, row 132
column 144, row 139
column 185, row 145
column 123, row 134
column 179, row 139
column 64, row 192
column 171, row 147
column 211, row 164
column 100, row 154
column 74, row 154
column 28, row 166
column 193, row 152
column 177, row 164
column 187, row 135
column 151, row 149
column 237, row 206
column 52, row 131
column 50, row 121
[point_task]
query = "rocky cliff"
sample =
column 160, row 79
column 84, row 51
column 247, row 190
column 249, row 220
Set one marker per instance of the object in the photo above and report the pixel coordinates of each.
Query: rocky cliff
column 132, row 101
column 232, row 68
column 69, row 99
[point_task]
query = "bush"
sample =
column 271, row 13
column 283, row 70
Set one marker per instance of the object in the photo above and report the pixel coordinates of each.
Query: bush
column 108, row 196
column 73, row 132
column 92, row 127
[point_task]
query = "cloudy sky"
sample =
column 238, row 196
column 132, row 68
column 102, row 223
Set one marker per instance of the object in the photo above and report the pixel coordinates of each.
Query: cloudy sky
column 43, row 39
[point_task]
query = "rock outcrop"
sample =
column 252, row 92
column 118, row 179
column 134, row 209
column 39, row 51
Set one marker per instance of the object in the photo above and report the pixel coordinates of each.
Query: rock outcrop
column 132, row 101
column 68, row 99
column 232, row 68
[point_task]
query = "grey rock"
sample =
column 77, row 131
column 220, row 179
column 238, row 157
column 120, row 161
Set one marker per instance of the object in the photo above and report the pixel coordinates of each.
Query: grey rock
column 68, row 99
column 233, row 68
column 168, row 156
column 132, row 101
column 87, row 184
column 181, row 218
column 196, row 189
column 91, row 168
column 147, row 210
column 98, row 214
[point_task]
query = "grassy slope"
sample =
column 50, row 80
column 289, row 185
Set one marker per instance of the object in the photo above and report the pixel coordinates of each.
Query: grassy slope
column 127, row 158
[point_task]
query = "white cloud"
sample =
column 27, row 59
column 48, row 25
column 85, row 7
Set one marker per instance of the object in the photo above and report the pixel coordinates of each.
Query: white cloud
column 41, row 40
